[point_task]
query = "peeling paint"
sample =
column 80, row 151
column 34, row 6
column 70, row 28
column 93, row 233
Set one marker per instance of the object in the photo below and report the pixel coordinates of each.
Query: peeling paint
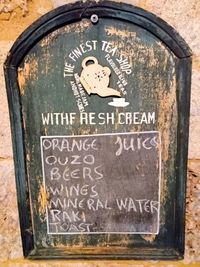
column 149, row 238
column 123, row 34
column 75, row 27
column 42, row 199
column 23, row 74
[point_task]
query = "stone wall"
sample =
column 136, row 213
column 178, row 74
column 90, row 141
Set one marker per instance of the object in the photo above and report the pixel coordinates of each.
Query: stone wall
column 15, row 16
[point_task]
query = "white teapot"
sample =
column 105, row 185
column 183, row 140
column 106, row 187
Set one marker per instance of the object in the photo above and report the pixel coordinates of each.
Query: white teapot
column 95, row 78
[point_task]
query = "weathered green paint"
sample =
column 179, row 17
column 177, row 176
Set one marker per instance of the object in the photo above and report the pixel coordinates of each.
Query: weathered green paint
column 160, row 82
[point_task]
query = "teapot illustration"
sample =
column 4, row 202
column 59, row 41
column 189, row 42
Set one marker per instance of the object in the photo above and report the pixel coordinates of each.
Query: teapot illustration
column 95, row 78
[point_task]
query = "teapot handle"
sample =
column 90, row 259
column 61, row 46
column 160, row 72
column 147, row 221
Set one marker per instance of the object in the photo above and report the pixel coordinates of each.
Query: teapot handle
column 87, row 59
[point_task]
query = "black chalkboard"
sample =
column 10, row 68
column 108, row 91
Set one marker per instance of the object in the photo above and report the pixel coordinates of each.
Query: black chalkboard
column 105, row 183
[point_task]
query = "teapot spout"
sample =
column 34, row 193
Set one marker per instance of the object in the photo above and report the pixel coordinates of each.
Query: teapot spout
column 108, row 92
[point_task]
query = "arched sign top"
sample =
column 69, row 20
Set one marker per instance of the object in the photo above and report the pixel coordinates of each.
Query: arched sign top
column 104, row 9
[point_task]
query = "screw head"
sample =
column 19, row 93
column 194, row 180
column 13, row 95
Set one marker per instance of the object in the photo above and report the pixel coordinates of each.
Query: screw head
column 94, row 18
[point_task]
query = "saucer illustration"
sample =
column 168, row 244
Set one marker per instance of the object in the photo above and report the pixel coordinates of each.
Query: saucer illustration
column 118, row 102
column 95, row 78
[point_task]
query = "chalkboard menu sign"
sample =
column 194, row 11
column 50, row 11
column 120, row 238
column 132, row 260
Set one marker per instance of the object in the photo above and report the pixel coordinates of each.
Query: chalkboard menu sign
column 99, row 105
column 102, row 183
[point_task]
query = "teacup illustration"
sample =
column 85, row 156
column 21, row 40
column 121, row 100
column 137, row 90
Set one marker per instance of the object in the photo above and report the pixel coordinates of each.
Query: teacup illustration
column 95, row 78
column 118, row 102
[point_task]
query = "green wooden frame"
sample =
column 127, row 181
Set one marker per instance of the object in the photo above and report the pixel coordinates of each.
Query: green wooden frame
column 53, row 20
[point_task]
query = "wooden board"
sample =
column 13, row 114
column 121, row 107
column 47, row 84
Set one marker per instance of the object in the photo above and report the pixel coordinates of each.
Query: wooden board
column 124, row 81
